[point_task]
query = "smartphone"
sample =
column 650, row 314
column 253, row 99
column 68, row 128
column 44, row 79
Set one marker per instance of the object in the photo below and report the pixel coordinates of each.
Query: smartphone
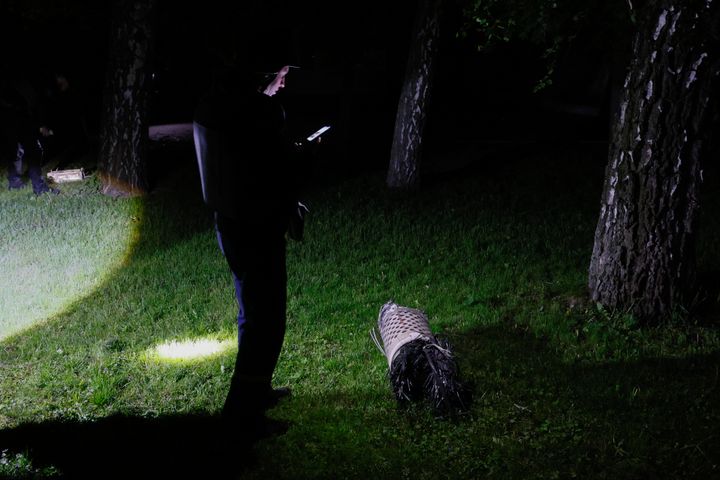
column 318, row 133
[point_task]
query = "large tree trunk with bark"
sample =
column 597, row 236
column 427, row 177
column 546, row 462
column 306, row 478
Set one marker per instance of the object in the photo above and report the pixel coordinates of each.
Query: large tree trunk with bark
column 643, row 260
column 403, row 172
column 122, row 162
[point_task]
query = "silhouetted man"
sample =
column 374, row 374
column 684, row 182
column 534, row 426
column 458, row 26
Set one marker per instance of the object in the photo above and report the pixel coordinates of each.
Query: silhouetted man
column 248, row 174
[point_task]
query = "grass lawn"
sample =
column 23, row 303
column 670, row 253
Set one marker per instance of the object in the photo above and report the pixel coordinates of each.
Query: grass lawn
column 96, row 293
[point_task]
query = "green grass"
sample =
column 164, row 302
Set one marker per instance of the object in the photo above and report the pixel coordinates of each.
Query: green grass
column 497, row 257
column 57, row 249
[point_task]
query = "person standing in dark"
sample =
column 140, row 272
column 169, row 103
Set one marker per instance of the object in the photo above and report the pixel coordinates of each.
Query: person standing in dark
column 22, row 126
column 66, row 116
column 249, row 174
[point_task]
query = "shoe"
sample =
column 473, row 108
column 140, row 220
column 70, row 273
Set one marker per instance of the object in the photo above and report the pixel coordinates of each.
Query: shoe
column 275, row 395
column 15, row 183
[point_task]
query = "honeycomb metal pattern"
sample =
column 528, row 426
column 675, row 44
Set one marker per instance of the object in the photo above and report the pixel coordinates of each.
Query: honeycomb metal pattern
column 400, row 325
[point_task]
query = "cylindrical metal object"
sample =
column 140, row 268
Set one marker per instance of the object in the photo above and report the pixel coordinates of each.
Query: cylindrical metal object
column 400, row 325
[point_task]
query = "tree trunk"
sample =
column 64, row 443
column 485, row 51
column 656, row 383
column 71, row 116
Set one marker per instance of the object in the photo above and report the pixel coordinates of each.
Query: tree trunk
column 643, row 260
column 403, row 172
column 123, row 136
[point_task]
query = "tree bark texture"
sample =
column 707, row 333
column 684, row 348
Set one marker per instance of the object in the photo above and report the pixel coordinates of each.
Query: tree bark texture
column 123, row 136
column 643, row 259
column 403, row 172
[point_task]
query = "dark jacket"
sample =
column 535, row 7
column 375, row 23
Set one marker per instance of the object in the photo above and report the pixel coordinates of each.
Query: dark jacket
column 246, row 164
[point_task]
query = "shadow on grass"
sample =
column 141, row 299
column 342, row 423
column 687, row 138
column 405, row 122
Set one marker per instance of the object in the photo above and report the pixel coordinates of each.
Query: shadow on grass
column 651, row 418
column 174, row 209
column 192, row 446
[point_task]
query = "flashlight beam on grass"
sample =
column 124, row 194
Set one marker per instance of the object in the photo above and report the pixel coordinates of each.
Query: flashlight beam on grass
column 191, row 349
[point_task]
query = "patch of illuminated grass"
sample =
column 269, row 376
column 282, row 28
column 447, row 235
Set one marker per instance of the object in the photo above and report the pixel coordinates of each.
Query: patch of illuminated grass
column 190, row 350
column 55, row 249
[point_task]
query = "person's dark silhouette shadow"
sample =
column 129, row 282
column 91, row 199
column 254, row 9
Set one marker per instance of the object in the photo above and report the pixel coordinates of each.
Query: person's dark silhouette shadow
column 178, row 447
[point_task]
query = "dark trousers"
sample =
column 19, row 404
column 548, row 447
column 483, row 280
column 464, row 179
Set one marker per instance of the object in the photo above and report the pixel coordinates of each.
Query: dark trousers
column 257, row 261
column 19, row 144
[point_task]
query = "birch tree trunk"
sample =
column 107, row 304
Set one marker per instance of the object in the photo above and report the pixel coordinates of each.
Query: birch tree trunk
column 122, row 162
column 643, row 259
column 403, row 172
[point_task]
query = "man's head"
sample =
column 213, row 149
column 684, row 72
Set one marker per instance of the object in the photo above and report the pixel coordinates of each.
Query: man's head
column 278, row 82
column 62, row 82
